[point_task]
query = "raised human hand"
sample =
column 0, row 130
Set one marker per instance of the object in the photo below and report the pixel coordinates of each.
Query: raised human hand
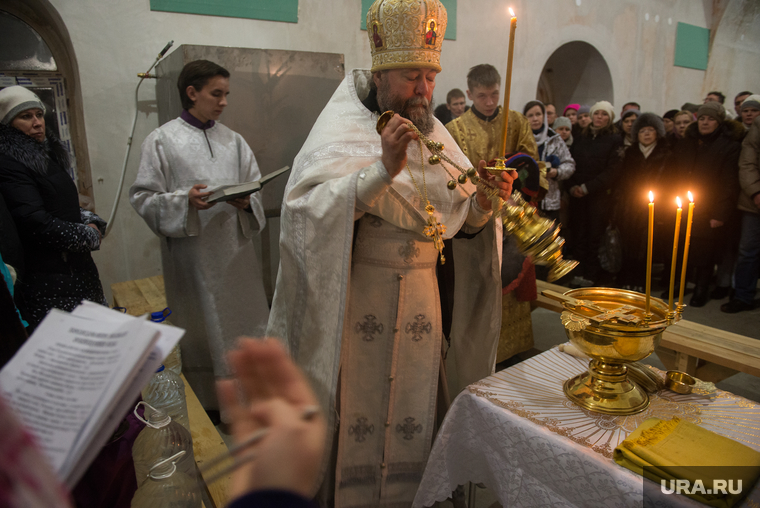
column 269, row 391
column 502, row 183
column 395, row 137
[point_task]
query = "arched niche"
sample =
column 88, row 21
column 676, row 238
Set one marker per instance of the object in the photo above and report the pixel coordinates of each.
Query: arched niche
column 45, row 21
column 575, row 73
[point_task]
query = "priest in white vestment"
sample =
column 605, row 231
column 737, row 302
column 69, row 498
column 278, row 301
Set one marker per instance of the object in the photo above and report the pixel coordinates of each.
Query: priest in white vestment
column 211, row 272
column 357, row 298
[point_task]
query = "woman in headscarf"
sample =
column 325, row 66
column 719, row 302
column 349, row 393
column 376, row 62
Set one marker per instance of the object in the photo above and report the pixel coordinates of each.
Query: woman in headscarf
column 56, row 234
column 571, row 112
column 553, row 151
column 597, row 161
column 642, row 168
column 583, row 120
column 626, row 124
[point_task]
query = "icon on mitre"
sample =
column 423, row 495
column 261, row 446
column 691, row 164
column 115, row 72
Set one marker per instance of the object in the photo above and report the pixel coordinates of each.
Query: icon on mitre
column 377, row 39
column 430, row 35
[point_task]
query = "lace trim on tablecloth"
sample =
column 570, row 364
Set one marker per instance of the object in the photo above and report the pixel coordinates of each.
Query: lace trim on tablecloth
column 533, row 390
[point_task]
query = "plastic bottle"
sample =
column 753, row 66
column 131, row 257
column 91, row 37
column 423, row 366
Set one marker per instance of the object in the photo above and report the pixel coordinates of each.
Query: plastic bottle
column 173, row 361
column 168, row 487
column 161, row 438
column 166, row 392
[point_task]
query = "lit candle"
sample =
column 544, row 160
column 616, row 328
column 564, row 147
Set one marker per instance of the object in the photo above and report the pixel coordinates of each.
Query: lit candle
column 675, row 255
column 508, row 83
column 686, row 249
column 650, row 237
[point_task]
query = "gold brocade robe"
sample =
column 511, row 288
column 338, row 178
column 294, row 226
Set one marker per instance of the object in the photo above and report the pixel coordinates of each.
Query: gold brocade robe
column 480, row 140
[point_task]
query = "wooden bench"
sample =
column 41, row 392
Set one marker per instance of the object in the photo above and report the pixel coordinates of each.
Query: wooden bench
column 147, row 295
column 703, row 351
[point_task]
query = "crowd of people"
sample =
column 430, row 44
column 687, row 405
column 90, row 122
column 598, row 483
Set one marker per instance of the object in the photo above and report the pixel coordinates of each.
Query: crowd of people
column 396, row 287
column 600, row 171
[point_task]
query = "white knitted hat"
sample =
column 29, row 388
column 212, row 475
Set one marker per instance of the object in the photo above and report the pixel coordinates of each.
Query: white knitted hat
column 14, row 100
column 604, row 106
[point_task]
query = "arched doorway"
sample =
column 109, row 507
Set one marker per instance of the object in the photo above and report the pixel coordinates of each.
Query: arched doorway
column 575, row 73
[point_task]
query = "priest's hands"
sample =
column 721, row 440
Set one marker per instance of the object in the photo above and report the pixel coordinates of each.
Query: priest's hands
column 395, row 137
column 197, row 198
column 503, row 183
column 269, row 391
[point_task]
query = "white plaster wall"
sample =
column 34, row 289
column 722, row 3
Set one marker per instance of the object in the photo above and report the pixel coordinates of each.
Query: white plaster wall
column 638, row 51
column 115, row 39
column 735, row 51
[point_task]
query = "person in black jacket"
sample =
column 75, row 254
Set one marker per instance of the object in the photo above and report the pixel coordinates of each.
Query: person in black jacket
column 706, row 162
column 642, row 169
column 56, row 234
column 597, row 164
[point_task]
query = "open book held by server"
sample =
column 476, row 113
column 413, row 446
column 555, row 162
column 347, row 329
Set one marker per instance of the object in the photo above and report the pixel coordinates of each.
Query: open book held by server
column 238, row 190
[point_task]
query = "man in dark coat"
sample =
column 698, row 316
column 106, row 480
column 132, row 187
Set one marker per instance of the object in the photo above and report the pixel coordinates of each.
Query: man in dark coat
column 643, row 168
column 706, row 162
column 597, row 166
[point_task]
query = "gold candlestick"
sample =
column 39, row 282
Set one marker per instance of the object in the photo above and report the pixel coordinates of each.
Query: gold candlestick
column 508, row 83
column 650, row 237
column 675, row 256
column 689, row 218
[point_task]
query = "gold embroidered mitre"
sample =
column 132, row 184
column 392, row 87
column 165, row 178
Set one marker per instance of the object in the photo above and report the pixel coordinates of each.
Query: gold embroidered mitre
column 406, row 33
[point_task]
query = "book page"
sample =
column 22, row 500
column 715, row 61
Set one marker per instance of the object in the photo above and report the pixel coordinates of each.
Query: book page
column 168, row 338
column 59, row 378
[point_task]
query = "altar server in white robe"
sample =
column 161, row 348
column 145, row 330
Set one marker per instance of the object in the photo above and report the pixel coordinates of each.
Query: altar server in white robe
column 211, row 271
column 357, row 291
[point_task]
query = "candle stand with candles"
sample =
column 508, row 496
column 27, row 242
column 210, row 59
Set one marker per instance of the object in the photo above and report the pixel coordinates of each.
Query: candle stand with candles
column 615, row 327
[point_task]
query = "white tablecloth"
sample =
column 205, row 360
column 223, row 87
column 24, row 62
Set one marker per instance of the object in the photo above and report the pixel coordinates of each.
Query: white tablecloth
column 517, row 433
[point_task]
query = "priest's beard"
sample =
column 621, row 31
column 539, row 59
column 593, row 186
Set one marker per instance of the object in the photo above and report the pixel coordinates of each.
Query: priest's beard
column 416, row 109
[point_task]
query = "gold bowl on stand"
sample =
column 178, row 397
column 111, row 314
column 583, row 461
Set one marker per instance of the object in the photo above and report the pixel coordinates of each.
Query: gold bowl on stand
column 612, row 327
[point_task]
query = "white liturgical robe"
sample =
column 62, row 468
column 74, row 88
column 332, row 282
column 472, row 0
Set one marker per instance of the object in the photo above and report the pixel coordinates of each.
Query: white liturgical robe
column 211, row 271
column 364, row 301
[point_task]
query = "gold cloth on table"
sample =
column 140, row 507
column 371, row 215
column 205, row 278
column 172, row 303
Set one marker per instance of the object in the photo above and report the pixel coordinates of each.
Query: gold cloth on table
column 516, row 333
column 674, row 448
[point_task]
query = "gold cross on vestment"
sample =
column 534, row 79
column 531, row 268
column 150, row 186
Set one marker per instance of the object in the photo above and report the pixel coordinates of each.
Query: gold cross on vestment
column 435, row 230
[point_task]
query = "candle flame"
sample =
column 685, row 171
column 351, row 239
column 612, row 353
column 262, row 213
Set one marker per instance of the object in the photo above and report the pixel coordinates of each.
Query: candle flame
column 651, row 197
column 511, row 12
column 678, row 201
column 691, row 198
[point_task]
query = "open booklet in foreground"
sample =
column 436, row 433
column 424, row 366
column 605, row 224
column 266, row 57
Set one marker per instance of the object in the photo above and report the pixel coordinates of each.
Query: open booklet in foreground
column 78, row 375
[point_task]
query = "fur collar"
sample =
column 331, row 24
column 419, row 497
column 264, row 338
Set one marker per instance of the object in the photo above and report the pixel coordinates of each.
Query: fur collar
column 31, row 153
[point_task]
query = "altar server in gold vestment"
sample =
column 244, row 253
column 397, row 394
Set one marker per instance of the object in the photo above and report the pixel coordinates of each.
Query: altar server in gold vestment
column 357, row 290
column 478, row 133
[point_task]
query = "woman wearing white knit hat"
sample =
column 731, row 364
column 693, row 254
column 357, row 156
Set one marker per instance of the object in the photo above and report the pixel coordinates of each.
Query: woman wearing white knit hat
column 56, row 234
column 597, row 160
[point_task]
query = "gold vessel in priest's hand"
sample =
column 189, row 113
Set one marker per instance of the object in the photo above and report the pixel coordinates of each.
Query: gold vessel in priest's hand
column 537, row 237
column 612, row 327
